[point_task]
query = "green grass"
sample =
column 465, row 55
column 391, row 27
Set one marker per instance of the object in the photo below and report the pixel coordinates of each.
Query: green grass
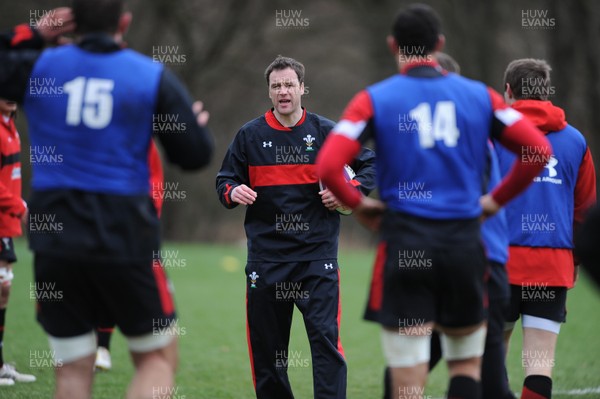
column 210, row 294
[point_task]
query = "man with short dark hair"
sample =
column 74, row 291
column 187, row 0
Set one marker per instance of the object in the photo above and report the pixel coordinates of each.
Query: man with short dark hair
column 541, row 221
column 431, row 130
column 292, row 225
column 93, row 102
column 494, row 234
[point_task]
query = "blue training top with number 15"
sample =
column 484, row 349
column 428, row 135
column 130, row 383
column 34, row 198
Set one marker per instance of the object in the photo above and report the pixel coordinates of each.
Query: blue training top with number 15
column 95, row 133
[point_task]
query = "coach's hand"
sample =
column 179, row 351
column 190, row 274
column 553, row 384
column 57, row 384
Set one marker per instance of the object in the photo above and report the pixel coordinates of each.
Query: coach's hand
column 243, row 194
column 329, row 200
column 489, row 206
column 369, row 213
column 56, row 23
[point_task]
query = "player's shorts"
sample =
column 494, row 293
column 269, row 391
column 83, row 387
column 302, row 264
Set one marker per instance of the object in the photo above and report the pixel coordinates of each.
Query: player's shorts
column 428, row 270
column 86, row 226
column 538, row 300
column 72, row 296
column 7, row 250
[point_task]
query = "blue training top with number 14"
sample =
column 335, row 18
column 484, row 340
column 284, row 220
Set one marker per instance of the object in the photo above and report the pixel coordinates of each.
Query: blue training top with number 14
column 438, row 137
column 96, row 131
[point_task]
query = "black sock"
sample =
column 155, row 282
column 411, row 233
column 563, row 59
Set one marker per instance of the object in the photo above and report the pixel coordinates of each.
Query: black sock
column 2, row 318
column 537, row 386
column 387, row 383
column 436, row 350
column 494, row 381
column 104, row 335
column 462, row 387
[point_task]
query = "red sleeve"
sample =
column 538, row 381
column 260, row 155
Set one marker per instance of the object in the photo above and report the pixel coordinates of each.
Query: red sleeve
column 22, row 33
column 521, row 137
column 156, row 177
column 22, row 37
column 342, row 146
column 585, row 188
column 360, row 108
column 10, row 204
column 496, row 99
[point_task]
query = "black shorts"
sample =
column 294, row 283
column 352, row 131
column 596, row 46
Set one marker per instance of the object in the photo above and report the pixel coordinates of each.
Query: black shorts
column 537, row 300
column 498, row 287
column 73, row 296
column 428, row 271
column 95, row 226
column 7, row 250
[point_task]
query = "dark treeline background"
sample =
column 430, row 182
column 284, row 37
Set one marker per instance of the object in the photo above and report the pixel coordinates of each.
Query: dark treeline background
column 223, row 47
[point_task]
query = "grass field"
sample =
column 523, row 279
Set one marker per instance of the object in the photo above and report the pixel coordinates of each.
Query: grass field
column 210, row 291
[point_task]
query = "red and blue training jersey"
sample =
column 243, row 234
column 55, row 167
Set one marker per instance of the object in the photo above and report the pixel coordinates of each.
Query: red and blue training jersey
column 11, row 204
column 542, row 219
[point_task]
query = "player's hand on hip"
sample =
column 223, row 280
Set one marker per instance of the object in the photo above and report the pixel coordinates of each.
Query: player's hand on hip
column 243, row 194
column 25, row 217
column 575, row 275
column 202, row 115
column 329, row 200
column 369, row 213
column 489, row 206
column 56, row 23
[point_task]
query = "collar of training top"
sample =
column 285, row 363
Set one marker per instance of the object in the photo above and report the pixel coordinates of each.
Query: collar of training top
column 273, row 122
column 423, row 69
column 99, row 43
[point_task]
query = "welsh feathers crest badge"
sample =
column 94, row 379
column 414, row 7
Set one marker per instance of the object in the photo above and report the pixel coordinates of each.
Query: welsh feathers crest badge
column 253, row 277
column 309, row 142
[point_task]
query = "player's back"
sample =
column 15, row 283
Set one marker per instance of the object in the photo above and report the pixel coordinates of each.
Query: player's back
column 547, row 206
column 99, row 118
column 431, row 134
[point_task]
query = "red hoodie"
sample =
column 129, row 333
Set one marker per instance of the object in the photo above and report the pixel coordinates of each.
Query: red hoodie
column 523, row 263
column 11, row 204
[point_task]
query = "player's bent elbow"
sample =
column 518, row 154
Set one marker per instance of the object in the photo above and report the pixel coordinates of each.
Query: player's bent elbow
column 195, row 161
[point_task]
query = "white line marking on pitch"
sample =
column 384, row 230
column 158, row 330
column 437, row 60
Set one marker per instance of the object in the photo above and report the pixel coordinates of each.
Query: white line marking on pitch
column 567, row 392
column 577, row 392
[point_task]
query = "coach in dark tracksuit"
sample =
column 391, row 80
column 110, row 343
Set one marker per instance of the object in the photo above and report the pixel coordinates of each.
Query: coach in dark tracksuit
column 292, row 229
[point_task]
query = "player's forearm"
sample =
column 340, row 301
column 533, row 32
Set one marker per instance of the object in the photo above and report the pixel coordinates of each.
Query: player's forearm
column 20, row 48
column 22, row 36
column 338, row 151
column 11, row 204
column 15, row 69
column 585, row 188
column 364, row 166
column 520, row 138
column 193, row 147
column 225, row 188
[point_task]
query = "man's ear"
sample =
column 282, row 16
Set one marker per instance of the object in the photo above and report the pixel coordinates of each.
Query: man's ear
column 508, row 94
column 392, row 45
column 441, row 42
column 124, row 22
column 508, row 91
